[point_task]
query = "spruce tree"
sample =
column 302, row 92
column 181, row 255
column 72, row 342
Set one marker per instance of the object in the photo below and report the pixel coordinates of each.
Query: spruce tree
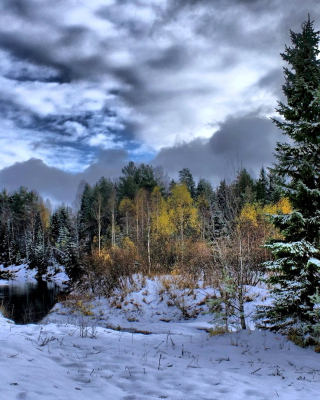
column 261, row 187
column 185, row 176
column 295, row 270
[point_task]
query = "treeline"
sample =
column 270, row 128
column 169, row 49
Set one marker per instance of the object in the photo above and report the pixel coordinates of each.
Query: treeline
column 143, row 222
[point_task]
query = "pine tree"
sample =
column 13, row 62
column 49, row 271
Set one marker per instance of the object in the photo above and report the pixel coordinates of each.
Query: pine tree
column 39, row 254
column 243, row 188
column 185, row 176
column 86, row 218
column 261, row 187
column 64, row 241
column 295, row 272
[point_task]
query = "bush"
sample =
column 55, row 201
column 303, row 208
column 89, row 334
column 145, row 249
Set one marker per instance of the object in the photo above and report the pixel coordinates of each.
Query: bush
column 111, row 268
column 197, row 262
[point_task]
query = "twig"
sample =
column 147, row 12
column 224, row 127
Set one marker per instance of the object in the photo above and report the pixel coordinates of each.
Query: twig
column 255, row 371
column 159, row 344
column 14, row 355
column 194, row 359
column 159, row 361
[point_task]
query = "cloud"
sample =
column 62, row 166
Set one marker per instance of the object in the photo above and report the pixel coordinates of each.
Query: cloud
column 247, row 141
column 58, row 185
column 140, row 77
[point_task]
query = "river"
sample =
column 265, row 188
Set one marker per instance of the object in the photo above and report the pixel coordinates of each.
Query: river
column 28, row 302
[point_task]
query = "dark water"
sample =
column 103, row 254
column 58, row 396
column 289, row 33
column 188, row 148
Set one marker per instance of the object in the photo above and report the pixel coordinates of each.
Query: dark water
column 28, row 302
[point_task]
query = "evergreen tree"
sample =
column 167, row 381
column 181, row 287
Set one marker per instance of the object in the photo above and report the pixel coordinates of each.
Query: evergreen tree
column 38, row 252
column 86, row 220
column 261, row 187
column 207, row 209
column 64, row 241
column 145, row 177
column 172, row 184
column 204, row 188
column 295, row 272
column 128, row 186
column 135, row 178
column 243, row 188
column 185, row 176
column 276, row 184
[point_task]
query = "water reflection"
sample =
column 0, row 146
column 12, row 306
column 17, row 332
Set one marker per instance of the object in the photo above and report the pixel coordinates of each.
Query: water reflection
column 28, row 302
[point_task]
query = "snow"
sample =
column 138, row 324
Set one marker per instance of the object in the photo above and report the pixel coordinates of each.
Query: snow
column 74, row 354
column 314, row 261
column 23, row 274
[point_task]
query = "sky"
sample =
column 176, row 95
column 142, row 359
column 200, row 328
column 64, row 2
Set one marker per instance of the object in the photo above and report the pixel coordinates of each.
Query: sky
column 87, row 86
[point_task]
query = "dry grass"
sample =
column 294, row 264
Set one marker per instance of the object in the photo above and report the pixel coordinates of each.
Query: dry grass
column 4, row 310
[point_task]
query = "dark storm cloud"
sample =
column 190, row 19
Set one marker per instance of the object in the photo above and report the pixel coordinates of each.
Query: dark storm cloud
column 20, row 7
column 35, row 174
column 109, row 164
column 58, row 185
column 172, row 58
column 41, row 53
column 134, row 27
column 37, row 53
column 272, row 80
column 255, row 6
column 251, row 139
column 247, row 141
column 249, row 24
column 271, row 83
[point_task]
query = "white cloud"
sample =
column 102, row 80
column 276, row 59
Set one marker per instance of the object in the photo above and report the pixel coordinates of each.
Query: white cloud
column 105, row 141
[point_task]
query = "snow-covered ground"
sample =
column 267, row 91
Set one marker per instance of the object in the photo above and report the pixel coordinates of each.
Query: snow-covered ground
column 21, row 273
column 74, row 353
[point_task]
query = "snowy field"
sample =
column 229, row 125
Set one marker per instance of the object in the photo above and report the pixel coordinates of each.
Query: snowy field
column 74, row 354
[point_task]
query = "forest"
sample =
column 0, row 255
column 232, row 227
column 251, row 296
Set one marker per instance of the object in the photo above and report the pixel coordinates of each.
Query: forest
column 143, row 223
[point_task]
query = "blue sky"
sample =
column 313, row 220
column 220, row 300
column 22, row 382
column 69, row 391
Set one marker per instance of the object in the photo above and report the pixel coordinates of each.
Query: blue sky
column 87, row 86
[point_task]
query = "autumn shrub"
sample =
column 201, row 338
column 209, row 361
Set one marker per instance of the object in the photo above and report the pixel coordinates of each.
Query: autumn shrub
column 110, row 268
column 4, row 310
column 178, row 289
column 197, row 263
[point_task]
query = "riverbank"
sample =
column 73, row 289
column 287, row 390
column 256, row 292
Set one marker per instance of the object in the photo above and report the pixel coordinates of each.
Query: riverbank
column 21, row 273
column 24, row 298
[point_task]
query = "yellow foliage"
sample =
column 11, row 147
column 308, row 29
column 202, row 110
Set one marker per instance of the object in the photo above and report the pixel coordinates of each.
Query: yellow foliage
column 128, row 245
column 81, row 308
column 44, row 215
column 182, row 213
column 250, row 212
column 284, row 206
column 270, row 209
column 105, row 256
column 165, row 226
column 126, row 206
column 180, row 196
column 254, row 212
column 161, row 225
column 255, row 217
column 202, row 202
